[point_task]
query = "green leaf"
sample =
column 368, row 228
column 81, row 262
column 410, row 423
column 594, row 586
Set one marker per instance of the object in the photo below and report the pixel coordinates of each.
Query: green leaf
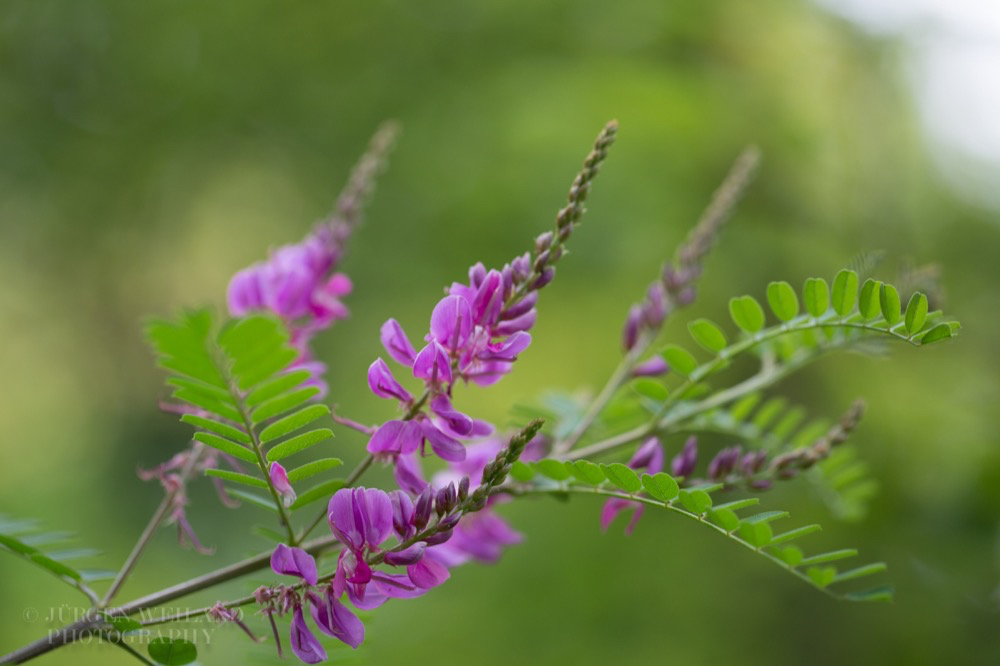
column 757, row 535
column 588, row 472
column 741, row 410
column 883, row 593
column 276, row 386
column 236, row 477
column 283, row 403
column 832, row 556
column 253, row 498
column 521, row 471
column 708, row 335
column 266, row 367
column 821, row 576
column 816, row 296
column 208, row 403
column 866, row 570
column 916, row 313
column 679, row 359
column 298, row 443
column 746, row 313
column 313, row 468
column 553, row 469
column 224, row 429
column 845, row 292
column 16, row 545
column 868, row 302
column 783, row 301
column 320, row 491
column 58, row 568
column 766, row 517
column 122, row 624
column 661, row 485
column 696, row 501
column 622, row 476
column 939, row 332
column 293, row 422
column 172, row 651
column 725, row 518
column 790, row 555
column 889, row 303
column 226, row 446
column 797, row 533
column 736, row 505
column 650, row 388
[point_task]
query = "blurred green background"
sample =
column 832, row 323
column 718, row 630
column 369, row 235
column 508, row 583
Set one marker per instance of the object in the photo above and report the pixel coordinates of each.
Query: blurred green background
column 150, row 149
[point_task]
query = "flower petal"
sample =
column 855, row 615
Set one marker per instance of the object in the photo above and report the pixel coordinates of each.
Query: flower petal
column 396, row 343
column 294, row 562
column 451, row 322
column 444, row 446
column 304, row 644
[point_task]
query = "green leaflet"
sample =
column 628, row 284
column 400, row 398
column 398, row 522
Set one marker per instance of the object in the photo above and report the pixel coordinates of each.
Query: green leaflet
column 299, row 443
column 22, row 539
column 172, row 651
column 916, row 313
column 753, row 532
column 223, row 429
column 845, row 292
column 662, row 486
column 708, row 335
column 236, row 477
column 747, row 313
column 679, row 359
column 553, row 469
column 816, row 296
column 889, row 304
column 622, row 476
column 276, row 386
column 313, row 468
column 869, row 305
column 226, row 446
column 321, row 491
column 283, row 403
column 783, row 300
column 293, row 422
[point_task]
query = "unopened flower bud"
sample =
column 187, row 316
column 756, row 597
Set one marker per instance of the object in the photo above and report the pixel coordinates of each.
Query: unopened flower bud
column 630, row 333
column 543, row 242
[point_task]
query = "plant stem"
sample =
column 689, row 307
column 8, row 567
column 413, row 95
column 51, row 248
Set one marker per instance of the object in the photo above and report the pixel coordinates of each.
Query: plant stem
column 597, row 405
column 86, row 625
column 763, row 379
column 151, row 527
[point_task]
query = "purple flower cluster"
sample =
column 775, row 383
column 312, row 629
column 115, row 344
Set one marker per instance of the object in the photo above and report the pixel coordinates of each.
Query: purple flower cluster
column 297, row 284
column 476, row 333
column 364, row 520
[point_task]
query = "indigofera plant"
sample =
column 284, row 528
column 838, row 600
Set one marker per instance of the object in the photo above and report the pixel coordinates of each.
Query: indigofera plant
column 251, row 388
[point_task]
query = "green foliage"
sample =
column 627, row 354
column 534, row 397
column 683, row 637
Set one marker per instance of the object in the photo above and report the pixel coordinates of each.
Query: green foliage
column 251, row 405
column 842, row 480
column 783, row 300
column 24, row 539
column 816, row 296
column 708, row 334
column 172, row 651
column 680, row 360
column 754, row 532
column 747, row 313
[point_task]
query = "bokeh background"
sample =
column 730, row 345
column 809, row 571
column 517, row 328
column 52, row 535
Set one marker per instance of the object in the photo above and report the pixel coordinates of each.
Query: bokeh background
column 150, row 149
